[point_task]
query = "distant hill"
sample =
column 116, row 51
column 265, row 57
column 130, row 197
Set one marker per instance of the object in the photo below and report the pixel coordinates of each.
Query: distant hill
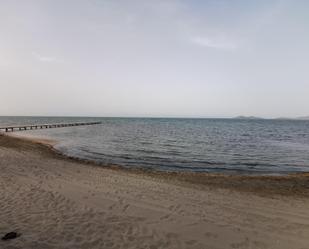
column 247, row 117
column 280, row 118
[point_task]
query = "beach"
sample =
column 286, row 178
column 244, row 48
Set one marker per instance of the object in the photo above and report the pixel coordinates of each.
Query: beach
column 54, row 201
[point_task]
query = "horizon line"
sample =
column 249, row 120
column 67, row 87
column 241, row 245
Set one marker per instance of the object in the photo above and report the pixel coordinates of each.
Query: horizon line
column 162, row 117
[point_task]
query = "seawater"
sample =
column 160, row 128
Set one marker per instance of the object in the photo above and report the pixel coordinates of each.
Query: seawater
column 199, row 145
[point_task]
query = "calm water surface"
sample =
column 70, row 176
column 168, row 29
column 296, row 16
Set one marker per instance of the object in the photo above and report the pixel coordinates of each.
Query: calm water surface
column 203, row 145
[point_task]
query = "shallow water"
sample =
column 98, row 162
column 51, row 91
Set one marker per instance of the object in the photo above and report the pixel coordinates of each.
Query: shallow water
column 206, row 145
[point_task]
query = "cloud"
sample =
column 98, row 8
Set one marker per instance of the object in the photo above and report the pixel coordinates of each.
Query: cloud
column 43, row 58
column 217, row 43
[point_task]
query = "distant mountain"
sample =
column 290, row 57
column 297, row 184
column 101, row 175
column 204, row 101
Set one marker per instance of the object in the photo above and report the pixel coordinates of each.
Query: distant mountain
column 247, row 117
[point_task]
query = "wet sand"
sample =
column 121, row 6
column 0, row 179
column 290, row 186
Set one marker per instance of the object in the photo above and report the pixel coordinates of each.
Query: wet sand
column 58, row 202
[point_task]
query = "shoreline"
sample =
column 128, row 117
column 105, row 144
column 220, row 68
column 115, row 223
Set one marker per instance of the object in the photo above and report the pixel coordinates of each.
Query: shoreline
column 55, row 202
column 226, row 172
column 291, row 184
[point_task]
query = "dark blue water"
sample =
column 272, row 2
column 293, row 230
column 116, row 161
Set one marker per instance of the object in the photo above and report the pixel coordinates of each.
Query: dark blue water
column 201, row 145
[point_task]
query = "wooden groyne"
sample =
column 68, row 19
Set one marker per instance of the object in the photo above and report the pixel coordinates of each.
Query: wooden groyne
column 44, row 126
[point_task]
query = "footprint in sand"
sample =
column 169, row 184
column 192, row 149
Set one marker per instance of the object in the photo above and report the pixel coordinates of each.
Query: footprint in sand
column 211, row 235
column 125, row 208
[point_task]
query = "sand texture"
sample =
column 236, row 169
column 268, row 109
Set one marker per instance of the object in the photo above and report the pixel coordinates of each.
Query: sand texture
column 54, row 202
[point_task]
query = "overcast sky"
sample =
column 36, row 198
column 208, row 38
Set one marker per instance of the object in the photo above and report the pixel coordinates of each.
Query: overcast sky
column 202, row 58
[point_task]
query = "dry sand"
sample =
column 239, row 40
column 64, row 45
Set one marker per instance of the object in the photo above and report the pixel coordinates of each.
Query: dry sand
column 55, row 202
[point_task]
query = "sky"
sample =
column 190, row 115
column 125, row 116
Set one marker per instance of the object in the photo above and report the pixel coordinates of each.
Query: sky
column 156, row 58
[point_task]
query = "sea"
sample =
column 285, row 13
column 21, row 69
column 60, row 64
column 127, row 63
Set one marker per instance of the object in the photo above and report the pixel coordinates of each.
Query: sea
column 230, row 146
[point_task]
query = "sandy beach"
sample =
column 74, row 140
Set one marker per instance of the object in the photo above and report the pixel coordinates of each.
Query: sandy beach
column 56, row 202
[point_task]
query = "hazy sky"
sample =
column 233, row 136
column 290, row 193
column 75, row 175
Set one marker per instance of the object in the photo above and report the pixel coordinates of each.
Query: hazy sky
column 211, row 58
